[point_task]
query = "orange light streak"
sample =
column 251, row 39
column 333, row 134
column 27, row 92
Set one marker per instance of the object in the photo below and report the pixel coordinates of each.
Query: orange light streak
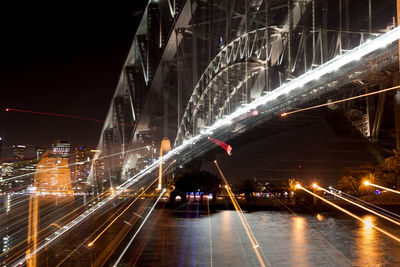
column 284, row 114
column 361, row 206
column 381, row 187
column 116, row 218
column 242, row 218
column 351, row 214
column 53, row 224
column 119, row 215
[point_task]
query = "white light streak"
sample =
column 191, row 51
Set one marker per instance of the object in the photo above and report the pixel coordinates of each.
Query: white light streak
column 138, row 230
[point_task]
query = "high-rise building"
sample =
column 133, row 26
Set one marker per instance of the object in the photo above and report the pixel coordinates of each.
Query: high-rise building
column 53, row 175
column 61, row 149
column 18, row 151
column 83, row 162
column 39, row 152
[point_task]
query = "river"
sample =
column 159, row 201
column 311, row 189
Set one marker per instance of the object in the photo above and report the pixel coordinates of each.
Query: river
column 194, row 238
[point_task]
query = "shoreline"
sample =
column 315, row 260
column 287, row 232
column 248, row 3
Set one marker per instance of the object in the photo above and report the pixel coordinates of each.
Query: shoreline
column 254, row 205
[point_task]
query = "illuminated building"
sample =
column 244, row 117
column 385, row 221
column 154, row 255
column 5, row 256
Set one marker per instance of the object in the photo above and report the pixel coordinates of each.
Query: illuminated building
column 53, row 175
column 83, row 158
column 14, row 174
column 61, row 149
column 39, row 151
column 18, row 151
column 7, row 169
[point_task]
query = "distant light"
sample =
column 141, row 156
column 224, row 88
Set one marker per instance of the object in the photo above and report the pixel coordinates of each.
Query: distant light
column 255, row 113
column 366, row 183
column 298, row 186
column 7, row 109
column 315, row 185
column 284, row 114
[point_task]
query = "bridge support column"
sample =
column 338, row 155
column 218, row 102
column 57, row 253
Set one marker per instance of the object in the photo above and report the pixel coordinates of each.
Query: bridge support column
column 165, row 147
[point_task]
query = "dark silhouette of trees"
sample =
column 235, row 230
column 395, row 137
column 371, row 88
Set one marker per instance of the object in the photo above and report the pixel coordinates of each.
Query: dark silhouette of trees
column 246, row 187
column 386, row 174
column 348, row 183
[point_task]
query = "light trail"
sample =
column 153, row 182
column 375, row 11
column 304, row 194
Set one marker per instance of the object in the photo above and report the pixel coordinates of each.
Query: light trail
column 67, row 227
column 55, row 223
column 351, row 214
column 326, row 68
column 360, row 206
column 53, row 114
column 91, row 211
column 366, row 203
column 381, row 187
column 133, row 202
column 242, row 218
column 72, row 164
column 138, row 230
column 119, row 215
column 224, row 145
column 87, row 239
column 284, row 114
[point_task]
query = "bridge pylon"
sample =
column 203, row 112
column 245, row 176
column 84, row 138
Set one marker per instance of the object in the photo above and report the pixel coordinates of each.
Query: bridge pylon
column 165, row 147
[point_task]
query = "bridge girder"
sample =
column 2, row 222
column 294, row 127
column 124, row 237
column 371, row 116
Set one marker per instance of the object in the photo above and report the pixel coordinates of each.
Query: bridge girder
column 215, row 56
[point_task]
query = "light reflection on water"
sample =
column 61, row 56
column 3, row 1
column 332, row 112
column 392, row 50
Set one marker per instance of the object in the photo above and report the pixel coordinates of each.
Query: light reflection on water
column 298, row 232
column 285, row 239
column 324, row 239
column 367, row 240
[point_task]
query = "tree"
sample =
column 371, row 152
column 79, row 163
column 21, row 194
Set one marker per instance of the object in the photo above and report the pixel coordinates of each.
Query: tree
column 247, row 187
column 290, row 187
column 348, row 184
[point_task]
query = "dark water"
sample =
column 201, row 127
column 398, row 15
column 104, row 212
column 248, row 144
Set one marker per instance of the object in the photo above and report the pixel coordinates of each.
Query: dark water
column 193, row 237
column 285, row 239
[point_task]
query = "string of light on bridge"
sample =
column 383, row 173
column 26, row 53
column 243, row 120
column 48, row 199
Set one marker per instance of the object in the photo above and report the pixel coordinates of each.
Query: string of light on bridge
column 312, row 75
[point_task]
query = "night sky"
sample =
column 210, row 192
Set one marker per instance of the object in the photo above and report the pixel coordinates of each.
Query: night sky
column 63, row 59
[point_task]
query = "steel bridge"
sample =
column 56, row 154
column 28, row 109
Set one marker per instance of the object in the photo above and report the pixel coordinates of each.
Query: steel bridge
column 197, row 67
